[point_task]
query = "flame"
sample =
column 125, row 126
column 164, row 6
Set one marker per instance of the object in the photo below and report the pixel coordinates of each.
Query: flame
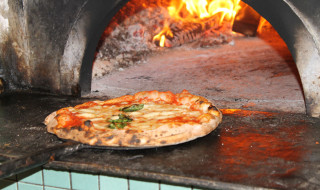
column 197, row 11
column 263, row 22
column 161, row 37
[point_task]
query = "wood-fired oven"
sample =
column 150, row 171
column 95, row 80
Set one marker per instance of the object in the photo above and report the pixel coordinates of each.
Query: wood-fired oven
column 270, row 134
column 51, row 46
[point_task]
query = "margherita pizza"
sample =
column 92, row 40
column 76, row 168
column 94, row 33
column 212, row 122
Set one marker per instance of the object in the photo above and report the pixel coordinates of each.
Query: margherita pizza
column 145, row 119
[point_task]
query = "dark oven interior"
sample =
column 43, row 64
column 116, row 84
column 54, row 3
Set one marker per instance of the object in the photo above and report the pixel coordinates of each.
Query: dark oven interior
column 265, row 78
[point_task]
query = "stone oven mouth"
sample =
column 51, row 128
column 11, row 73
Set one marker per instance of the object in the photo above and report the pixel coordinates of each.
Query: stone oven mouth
column 240, row 71
column 51, row 45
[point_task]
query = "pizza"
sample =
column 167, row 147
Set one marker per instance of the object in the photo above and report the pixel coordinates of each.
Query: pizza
column 145, row 119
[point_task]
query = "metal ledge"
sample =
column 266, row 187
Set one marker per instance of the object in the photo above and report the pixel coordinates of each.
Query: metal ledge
column 249, row 149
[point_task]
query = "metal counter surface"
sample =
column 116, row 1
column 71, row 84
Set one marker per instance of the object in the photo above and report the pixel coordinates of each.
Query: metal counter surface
column 249, row 149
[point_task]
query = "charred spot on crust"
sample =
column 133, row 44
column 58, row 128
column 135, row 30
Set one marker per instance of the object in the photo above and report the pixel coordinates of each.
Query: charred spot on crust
column 88, row 123
column 163, row 142
column 91, row 137
column 65, row 130
column 212, row 107
column 134, row 140
column 129, row 131
column 87, row 134
column 109, row 137
column 201, row 100
column 99, row 142
column 75, row 127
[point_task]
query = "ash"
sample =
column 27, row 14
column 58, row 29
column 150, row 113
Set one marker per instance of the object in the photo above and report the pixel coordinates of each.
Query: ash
column 127, row 41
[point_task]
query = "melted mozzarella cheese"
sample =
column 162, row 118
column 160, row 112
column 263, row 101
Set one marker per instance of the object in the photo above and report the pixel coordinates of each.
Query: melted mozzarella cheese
column 151, row 116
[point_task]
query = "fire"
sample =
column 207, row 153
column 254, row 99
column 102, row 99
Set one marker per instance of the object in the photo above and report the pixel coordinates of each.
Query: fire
column 161, row 37
column 197, row 11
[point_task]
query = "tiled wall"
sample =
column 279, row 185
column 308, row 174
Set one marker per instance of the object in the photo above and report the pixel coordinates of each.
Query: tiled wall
column 44, row 179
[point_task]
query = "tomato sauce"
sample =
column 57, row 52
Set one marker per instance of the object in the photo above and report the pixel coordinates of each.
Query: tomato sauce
column 67, row 120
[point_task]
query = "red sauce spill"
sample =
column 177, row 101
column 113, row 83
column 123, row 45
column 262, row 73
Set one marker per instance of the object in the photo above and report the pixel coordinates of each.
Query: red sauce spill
column 243, row 113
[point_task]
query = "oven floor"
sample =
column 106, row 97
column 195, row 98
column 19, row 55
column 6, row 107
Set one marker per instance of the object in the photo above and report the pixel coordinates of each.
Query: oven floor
column 248, row 149
column 253, row 73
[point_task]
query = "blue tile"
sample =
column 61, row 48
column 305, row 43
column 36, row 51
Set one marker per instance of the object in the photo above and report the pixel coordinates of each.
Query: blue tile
column 143, row 185
column 173, row 187
column 31, row 176
column 56, row 178
column 8, row 185
column 113, row 183
column 52, row 188
column 81, row 181
column 27, row 186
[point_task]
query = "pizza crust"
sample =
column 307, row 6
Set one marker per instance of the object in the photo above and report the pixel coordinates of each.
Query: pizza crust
column 162, row 136
column 155, row 138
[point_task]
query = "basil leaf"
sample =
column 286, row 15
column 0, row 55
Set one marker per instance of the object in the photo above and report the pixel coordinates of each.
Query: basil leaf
column 121, row 125
column 125, row 118
column 117, row 125
column 122, row 119
column 112, row 126
column 132, row 108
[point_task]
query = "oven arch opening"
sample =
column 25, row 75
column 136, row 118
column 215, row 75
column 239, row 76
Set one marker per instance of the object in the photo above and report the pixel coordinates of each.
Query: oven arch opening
column 296, row 26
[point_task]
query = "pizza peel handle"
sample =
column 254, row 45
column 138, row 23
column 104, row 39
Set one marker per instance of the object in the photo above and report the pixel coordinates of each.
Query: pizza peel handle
column 39, row 158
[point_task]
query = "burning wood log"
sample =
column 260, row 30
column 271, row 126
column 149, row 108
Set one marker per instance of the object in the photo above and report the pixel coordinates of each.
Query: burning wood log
column 246, row 21
column 185, row 32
